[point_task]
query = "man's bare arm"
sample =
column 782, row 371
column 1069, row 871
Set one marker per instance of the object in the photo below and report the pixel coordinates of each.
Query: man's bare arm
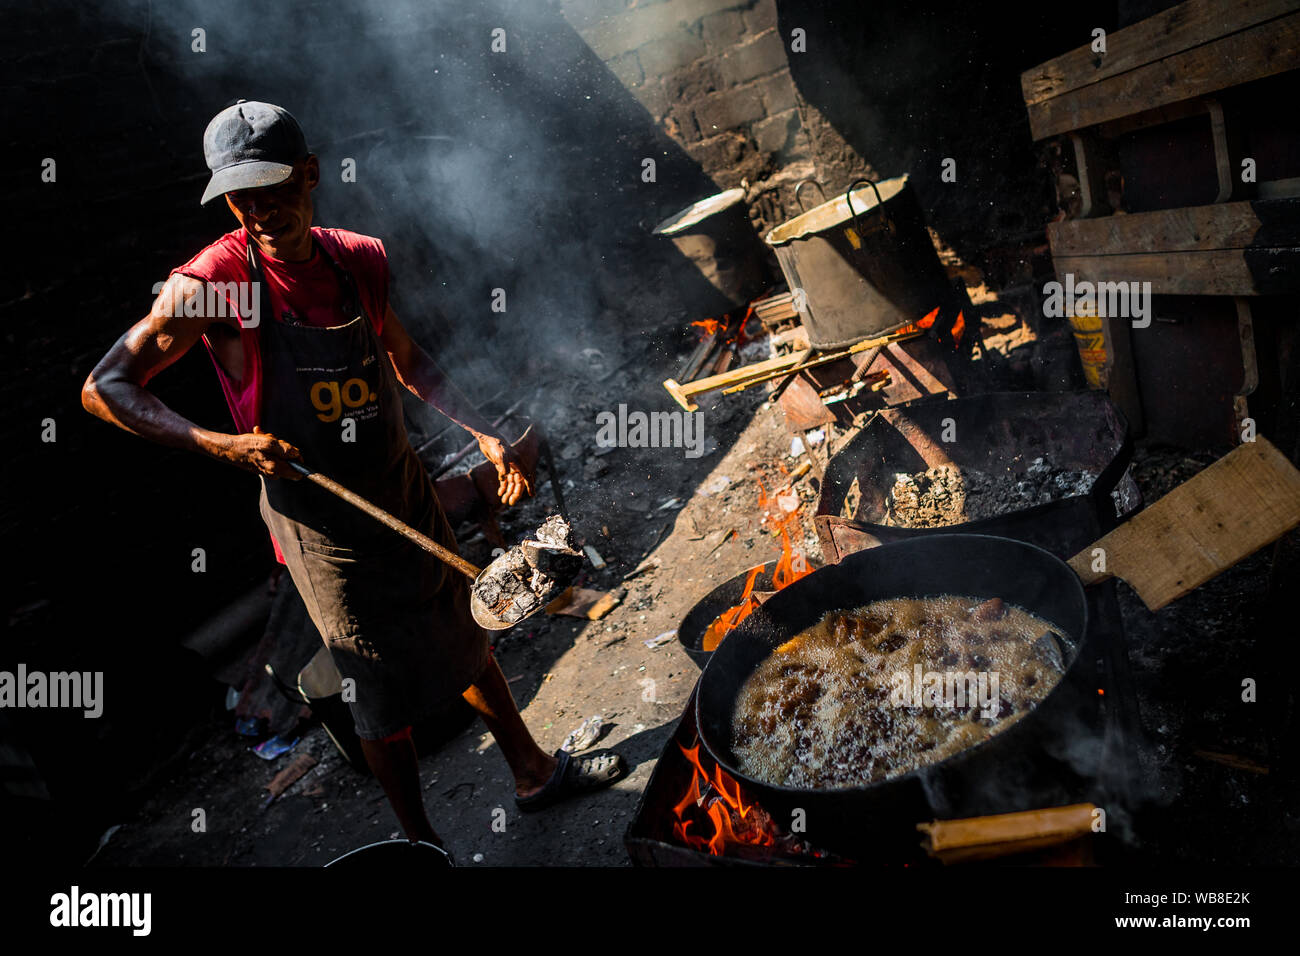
column 422, row 376
column 116, row 389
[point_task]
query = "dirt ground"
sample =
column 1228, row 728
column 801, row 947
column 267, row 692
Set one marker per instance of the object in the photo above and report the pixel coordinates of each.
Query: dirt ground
column 647, row 505
column 672, row 527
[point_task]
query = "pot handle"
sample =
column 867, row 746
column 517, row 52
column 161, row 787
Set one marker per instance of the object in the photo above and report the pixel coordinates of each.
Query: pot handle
column 810, row 181
column 880, row 204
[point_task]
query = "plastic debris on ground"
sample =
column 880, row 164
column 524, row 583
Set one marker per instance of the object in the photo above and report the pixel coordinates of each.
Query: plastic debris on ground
column 661, row 639
column 796, row 447
column 273, row 747
column 715, row 485
column 586, row 734
column 250, row 726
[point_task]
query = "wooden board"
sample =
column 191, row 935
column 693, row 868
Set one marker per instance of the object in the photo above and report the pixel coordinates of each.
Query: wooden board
column 1234, row 225
column 1245, row 500
column 1211, row 272
column 1263, row 50
column 1167, row 33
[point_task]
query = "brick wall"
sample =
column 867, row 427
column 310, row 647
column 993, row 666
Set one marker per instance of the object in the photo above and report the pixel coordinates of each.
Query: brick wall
column 715, row 75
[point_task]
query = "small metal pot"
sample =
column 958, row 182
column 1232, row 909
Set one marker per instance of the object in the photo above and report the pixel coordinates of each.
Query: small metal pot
column 716, row 235
column 725, row 596
column 864, row 261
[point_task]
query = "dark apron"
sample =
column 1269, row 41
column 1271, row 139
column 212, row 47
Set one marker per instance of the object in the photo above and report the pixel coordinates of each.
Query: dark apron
column 395, row 618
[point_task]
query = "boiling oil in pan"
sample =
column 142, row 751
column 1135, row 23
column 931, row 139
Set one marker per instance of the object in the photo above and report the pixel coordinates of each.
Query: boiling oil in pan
column 877, row 691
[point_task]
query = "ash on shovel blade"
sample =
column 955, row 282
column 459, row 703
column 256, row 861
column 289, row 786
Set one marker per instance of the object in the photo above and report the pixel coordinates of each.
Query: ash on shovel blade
column 528, row 576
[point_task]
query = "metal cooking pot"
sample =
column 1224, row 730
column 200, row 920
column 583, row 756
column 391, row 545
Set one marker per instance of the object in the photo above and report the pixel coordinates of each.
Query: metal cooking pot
column 690, row 633
column 715, row 234
column 876, row 818
column 864, row 261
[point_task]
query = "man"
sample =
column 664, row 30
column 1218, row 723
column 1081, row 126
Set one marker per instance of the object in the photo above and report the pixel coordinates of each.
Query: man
column 310, row 356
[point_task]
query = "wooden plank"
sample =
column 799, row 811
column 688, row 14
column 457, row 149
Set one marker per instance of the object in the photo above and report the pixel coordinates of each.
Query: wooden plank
column 1236, row 225
column 1261, row 51
column 1170, row 32
column 1159, row 116
column 1267, row 271
column 683, row 393
column 1245, row 500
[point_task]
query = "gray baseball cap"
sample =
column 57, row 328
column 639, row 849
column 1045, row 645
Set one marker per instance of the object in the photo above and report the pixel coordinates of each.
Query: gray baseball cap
column 250, row 145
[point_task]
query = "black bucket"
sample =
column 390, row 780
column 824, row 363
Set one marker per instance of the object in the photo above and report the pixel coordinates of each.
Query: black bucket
column 864, row 262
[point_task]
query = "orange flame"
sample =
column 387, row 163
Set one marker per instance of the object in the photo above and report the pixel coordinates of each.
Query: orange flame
column 790, row 567
column 725, row 622
column 727, row 811
column 710, row 326
column 958, row 326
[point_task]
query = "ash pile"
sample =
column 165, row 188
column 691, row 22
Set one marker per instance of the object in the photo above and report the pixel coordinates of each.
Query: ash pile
column 948, row 495
column 529, row 576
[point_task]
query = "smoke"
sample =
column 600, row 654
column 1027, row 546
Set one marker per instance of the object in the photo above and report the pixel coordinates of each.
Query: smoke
column 493, row 150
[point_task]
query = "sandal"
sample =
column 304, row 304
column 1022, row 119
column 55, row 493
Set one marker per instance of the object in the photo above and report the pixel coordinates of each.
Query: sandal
column 574, row 776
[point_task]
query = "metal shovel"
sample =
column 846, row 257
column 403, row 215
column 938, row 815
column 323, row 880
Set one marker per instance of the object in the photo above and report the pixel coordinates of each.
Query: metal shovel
column 482, row 616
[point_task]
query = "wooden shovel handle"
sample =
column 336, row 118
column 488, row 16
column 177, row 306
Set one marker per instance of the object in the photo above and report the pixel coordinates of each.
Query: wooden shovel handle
column 382, row 516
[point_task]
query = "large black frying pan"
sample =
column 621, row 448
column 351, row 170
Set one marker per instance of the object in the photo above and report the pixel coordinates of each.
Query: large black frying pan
column 876, row 816
column 1228, row 511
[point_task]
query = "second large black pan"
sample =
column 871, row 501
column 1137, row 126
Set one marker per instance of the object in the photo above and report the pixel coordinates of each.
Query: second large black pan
column 878, row 819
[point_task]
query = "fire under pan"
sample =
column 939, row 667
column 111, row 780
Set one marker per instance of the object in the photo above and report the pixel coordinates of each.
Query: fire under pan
column 1098, row 765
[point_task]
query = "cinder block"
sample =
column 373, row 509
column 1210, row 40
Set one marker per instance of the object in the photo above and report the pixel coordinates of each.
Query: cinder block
column 718, row 152
column 671, row 52
column 761, row 17
column 694, row 82
column 722, row 31
column 776, row 133
column 762, row 56
column 684, row 124
column 728, row 110
column 778, row 93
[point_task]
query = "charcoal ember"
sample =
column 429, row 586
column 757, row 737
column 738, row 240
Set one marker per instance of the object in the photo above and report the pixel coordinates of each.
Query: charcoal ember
column 524, row 578
column 947, row 494
column 556, row 532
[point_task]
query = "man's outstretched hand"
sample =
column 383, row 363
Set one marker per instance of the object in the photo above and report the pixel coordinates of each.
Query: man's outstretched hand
column 262, row 453
column 513, row 482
